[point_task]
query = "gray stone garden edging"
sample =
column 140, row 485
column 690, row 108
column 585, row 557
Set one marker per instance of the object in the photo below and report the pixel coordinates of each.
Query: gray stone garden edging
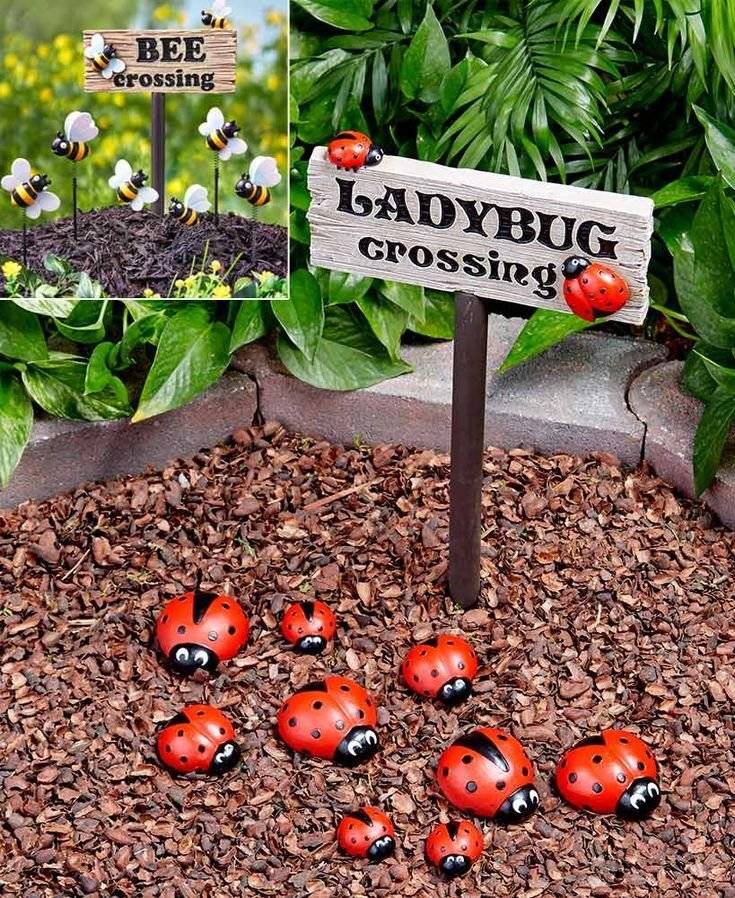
column 594, row 393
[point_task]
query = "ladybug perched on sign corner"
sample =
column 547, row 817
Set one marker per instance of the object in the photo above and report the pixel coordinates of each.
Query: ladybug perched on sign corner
column 367, row 832
column 353, row 150
column 308, row 626
column 199, row 739
column 200, row 629
column 453, row 847
column 612, row 773
column 442, row 668
column 593, row 290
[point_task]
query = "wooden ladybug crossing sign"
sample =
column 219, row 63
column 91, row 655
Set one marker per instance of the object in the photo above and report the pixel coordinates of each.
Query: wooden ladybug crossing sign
column 483, row 236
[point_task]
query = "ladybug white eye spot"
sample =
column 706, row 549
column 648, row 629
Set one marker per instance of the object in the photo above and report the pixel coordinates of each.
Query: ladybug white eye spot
column 533, row 797
column 200, row 657
column 371, row 738
column 653, row 789
column 182, row 655
column 636, row 801
column 520, row 804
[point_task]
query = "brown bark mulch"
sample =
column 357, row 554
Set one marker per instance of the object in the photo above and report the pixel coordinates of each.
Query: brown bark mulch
column 128, row 251
column 609, row 601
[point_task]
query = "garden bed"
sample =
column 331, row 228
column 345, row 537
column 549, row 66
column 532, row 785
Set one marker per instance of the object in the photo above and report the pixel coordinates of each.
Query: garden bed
column 129, row 252
column 608, row 601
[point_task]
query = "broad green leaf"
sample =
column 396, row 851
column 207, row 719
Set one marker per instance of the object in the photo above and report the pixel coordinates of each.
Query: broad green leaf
column 51, row 308
column 695, row 377
column 711, row 436
column 251, row 323
column 350, row 15
column 146, row 329
column 426, row 61
column 720, row 143
column 348, row 356
column 544, row 329
column 86, row 323
column 98, row 374
column 685, row 190
column 720, row 363
column 438, row 320
column 387, row 321
column 21, row 336
column 192, row 353
column 302, row 317
column 16, row 422
column 343, row 287
column 409, row 297
column 58, row 387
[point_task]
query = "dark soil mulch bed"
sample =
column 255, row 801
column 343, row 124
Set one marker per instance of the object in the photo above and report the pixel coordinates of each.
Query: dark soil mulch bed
column 128, row 251
column 609, row 601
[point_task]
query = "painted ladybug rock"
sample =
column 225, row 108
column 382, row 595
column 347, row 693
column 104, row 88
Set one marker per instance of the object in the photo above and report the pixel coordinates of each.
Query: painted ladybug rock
column 333, row 719
column 308, row 626
column 200, row 629
column 368, row 833
column 454, row 847
column 200, row 739
column 353, row 150
column 441, row 668
column 593, row 290
column 613, row 773
column 488, row 773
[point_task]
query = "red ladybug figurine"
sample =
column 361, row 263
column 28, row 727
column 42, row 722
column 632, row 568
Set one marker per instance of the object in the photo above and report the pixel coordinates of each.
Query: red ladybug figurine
column 308, row 626
column 368, row 833
column 200, row 629
column 613, row 773
column 442, row 667
column 454, row 847
column 591, row 289
column 353, row 150
column 333, row 719
column 200, row 739
column 489, row 773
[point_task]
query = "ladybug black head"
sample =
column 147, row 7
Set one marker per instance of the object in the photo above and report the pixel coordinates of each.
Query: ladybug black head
column 374, row 156
column 639, row 800
column 225, row 759
column 574, row 266
column 311, row 645
column 455, row 691
column 454, row 865
column 359, row 745
column 519, row 806
column 187, row 657
column 381, row 849
column 230, row 129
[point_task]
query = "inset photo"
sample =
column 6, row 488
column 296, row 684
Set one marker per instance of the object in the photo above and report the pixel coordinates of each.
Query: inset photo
column 144, row 149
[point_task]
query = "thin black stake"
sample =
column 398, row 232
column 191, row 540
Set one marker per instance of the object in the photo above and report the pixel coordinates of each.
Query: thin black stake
column 74, row 203
column 216, row 190
column 25, row 241
column 158, row 150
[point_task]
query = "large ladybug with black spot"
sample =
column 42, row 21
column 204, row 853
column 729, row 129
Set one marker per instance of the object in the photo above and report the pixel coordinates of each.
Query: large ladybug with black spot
column 612, row 773
column 591, row 289
column 442, row 667
column 308, row 626
column 367, row 832
column 333, row 719
column 489, row 773
column 353, row 150
column 200, row 629
column 454, row 847
column 199, row 739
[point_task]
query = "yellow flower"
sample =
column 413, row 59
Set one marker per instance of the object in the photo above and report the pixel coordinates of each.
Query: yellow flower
column 42, row 50
column 221, row 292
column 274, row 17
column 66, row 57
column 11, row 270
column 190, row 281
column 118, row 100
column 46, row 95
column 61, row 41
column 5, row 90
column 11, row 61
column 273, row 82
column 149, row 294
column 178, row 283
column 215, row 266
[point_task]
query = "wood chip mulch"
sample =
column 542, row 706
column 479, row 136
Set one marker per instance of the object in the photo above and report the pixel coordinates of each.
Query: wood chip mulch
column 609, row 601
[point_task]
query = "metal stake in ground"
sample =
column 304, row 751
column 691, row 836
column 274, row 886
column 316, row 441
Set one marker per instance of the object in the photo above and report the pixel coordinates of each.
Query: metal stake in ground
column 74, row 202
column 216, row 190
column 468, row 439
column 25, row 241
column 158, row 150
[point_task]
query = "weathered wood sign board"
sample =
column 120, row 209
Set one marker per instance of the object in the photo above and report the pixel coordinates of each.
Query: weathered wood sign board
column 170, row 61
column 466, row 231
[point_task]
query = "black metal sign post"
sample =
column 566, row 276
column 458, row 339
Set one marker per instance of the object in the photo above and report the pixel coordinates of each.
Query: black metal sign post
column 158, row 150
column 468, row 443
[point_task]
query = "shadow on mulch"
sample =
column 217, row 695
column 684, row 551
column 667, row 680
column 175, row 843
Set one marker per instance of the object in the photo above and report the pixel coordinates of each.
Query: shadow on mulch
column 608, row 601
column 128, row 251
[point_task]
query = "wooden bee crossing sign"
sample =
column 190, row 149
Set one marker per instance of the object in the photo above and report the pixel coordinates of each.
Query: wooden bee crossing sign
column 483, row 236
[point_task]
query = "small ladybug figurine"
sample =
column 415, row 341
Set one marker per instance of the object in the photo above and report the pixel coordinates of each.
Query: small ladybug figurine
column 308, row 626
column 454, row 847
column 353, row 150
column 333, row 719
column 368, row 833
column 200, row 629
column 591, row 289
column 200, row 739
column 613, row 773
column 489, row 773
column 441, row 668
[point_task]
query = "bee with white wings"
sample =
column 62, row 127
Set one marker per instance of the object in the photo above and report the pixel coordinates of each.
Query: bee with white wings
column 221, row 135
column 28, row 191
column 104, row 57
column 254, row 186
column 216, row 17
column 195, row 202
column 73, row 142
column 131, row 187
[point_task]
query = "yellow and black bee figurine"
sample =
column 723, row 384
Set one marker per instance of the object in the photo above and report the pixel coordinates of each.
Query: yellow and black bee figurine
column 195, row 202
column 104, row 57
column 254, row 186
column 130, row 187
column 216, row 17
column 221, row 135
column 73, row 142
column 28, row 191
